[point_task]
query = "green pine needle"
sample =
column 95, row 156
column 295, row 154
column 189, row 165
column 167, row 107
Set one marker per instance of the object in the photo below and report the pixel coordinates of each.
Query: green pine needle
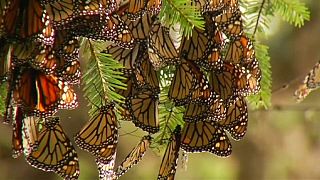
column 101, row 77
column 292, row 11
column 179, row 11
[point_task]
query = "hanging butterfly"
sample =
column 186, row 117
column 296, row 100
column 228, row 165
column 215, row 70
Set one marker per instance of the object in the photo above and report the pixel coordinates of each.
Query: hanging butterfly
column 55, row 152
column 143, row 107
column 189, row 83
column 65, row 45
column 99, row 133
column 41, row 94
column 239, row 50
column 136, row 9
column 30, row 134
column 26, row 20
column 229, row 22
column 161, row 48
column 116, row 31
column 17, row 139
column 245, row 82
column 236, row 120
column 198, row 47
column 311, row 82
column 196, row 111
column 139, row 28
column 23, row 52
column 222, row 82
column 60, row 12
column 106, row 169
column 182, row 83
column 216, row 5
column 145, row 75
column 134, row 156
column 169, row 161
column 313, row 77
column 203, row 136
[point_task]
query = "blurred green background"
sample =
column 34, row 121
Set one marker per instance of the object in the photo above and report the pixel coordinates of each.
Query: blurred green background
column 281, row 143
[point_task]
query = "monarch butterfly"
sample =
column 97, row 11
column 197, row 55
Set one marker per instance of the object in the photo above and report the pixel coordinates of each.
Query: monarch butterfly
column 60, row 12
column 215, row 5
column 246, row 82
column 55, row 152
column 161, row 46
column 201, row 91
column 66, row 46
column 229, row 22
column 134, row 156
column 197, row 47
column 182, row 83
column 202, row 136
column 70, row 71
column 154, row 6
column 26, row 19
column 169, row 161
column 23, row 52
column 236, row 120
column 41, row 94
column 100, row 132
column 143, row 106
column 312, row 79
column 117, row 31
column 30, row 134
column 222, row 82
column 196, row 111
column 106, row 168
column 310, row 83
column 240, row 50
column 145, row 74
column 140, row 28
column 17, row 143
column 136, row 9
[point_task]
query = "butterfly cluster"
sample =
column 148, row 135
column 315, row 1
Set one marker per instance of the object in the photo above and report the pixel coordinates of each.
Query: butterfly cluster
column 215, row 69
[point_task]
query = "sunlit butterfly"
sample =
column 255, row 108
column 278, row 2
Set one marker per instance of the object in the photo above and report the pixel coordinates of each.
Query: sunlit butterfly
column 30, row 133
column 143, row 107
column 207, row 136
column 99, row 133
column 26, row 20
column 17, row 123
column 169, row 161
column 310, row 83
column 145, row 74
column 55, row 152
column 229, row 22
column 134, row 156
column 236, row 120
column 106, row 168
column 61, row 12
column 41, row 94
column 161, row 48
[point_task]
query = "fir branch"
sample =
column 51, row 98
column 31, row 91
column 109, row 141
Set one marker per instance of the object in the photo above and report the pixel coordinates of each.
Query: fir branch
column 169, row 115
column 292, row 11
column 263, row 99
column 258, row 18
column 186, row 14
column 3, row 97
column 101, row 78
